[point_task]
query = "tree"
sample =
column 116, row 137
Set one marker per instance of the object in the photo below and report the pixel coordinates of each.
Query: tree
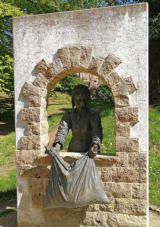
column 6, row 45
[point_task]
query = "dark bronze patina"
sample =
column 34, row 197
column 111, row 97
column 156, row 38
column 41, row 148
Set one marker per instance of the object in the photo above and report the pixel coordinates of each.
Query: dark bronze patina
column 77, row 184
column 84, row 123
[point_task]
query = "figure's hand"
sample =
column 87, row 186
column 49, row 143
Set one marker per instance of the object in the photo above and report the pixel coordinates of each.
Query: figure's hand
column 52, row 150
column 93, row 151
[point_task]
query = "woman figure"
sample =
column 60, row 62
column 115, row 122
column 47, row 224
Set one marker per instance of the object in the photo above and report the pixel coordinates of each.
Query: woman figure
column 84, row 123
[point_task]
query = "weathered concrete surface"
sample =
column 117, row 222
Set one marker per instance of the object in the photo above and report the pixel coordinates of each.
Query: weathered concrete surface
column 118, row 30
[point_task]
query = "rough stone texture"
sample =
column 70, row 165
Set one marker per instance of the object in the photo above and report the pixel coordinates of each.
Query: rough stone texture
column 124, row 144
column 30, row 114
column 131, row 206
column 123, row 174
column 118, row 190
column 137, row 160
column 127, row 114
column 33, row 129
column 28, row 157
column 30, row 143
column 30, row 89
column 86, row 55
column 40, row 81
column 121, row 101
column 139, row 191
column 122, row 129
column 95, row 64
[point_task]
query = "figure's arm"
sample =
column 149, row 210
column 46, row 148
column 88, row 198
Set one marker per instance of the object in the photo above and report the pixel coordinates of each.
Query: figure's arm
column 96, row 135
column 62, row 131
column 60, row 135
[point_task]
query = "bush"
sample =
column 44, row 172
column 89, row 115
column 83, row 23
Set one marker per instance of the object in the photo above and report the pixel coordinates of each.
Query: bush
column 67, row 84
column 104, row 93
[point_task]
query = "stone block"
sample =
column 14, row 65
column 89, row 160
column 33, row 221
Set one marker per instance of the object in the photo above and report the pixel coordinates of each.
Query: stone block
column 38, row 171
column 108, row 207
column 75, row 53
column 41, row 81
column 124, row 220
column 137, row 160
column 43, row 68
column 93, row 207
column 33, row 128
column 120, row 89
column 95, row 64
column 30, row 114
column 95, row 219
column 122, row 159
column 118, row 190
column 136, row 207
column 122, row 128
column 37, row 200
column 139, row 191
column 127, row 114
column 30, row 143
column 64, row 56
column 34, row 101
column 36, row 185
column 125, row 144
column 28, row 157
column 124, row 174
column 55, row 68
column 109, row 64
column 121, row 101
column 130, row 84
column 86, row 55
column 113, row 61
column 30, row 90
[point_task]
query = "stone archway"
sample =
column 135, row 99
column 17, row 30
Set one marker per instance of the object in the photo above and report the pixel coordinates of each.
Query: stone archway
column 72, row 60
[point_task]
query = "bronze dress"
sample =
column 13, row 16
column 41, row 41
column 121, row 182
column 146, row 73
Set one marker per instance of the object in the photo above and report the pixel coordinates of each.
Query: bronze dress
column 86, row 130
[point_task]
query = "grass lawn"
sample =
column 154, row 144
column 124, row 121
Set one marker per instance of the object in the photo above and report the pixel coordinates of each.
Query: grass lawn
column 154, row 156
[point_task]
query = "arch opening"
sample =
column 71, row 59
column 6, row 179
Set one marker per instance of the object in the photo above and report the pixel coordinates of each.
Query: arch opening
column 101, row 101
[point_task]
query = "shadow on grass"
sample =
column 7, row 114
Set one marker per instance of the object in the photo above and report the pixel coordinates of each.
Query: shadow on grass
column 6, row 115
column 8, row 195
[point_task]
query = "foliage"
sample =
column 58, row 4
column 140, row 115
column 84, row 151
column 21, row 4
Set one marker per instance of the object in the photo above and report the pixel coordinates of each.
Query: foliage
column 68, row 83
column 104, row 93
column 6, row 57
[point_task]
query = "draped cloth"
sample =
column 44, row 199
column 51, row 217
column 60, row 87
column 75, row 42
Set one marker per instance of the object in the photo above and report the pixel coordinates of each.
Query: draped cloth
column 74, row 185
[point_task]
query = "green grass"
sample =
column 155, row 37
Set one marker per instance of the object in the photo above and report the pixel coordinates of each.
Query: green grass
column 8, row 186
column 7, row 148
column 154, row 156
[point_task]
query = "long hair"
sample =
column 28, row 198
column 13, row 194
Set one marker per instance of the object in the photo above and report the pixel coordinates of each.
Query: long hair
column 83, row 91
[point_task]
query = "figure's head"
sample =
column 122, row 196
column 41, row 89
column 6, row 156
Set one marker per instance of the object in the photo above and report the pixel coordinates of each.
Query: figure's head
column 80, row 96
